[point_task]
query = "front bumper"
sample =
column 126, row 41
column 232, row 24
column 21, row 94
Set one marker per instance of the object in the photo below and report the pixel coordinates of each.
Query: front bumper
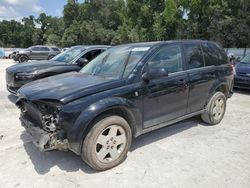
column 12, row 89
column 242, row 82
column 45, row 141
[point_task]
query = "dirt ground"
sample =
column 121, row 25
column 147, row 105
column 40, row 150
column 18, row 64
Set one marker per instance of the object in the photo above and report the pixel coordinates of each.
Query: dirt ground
column 187, row 154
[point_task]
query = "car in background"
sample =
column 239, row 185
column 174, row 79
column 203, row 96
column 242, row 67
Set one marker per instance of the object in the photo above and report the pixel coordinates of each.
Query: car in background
column 8, row 52
column 14, row 52
column 242, row 73
column 72, row 59
column 36, row 53
column 1, row 53
column 237, row 53
column 125, row 92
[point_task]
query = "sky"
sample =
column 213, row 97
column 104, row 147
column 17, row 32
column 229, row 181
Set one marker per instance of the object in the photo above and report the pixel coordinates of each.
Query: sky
column 17, row 9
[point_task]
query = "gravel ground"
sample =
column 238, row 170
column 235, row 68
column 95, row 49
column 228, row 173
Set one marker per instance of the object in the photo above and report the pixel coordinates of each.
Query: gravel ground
column 187, row 154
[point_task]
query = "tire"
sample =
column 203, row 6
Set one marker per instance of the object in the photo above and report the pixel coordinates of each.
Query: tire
column 107, row 143
column 215, row 109
column 50, row 57
column 23, row 58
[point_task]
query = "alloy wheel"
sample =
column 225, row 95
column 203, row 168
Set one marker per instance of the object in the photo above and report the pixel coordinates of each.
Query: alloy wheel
column 110, row 143
column 218, row 108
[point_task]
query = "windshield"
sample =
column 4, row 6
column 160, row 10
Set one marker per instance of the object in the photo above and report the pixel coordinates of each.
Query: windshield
column 116, row 62
column 246, row 59
column 69, row 55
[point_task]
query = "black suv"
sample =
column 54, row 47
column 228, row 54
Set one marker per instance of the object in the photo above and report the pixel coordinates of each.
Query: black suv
column 36, row 53
column 72, row 59
column 126, row 91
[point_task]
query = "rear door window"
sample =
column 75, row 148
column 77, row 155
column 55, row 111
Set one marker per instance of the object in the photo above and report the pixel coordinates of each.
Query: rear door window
column 213, row 54
column 194, row 55
column 44, row 49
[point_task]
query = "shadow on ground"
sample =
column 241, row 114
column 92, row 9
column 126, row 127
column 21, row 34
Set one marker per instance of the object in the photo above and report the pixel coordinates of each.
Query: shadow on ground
column 165, row 132
column 44, row 161
column 242, row 91
column 69, row 162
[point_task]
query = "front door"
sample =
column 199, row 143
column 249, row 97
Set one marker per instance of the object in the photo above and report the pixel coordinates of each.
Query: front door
column 165, row 98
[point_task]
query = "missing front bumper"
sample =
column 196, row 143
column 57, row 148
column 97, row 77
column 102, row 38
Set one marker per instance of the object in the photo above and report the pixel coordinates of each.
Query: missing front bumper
column 42, row 139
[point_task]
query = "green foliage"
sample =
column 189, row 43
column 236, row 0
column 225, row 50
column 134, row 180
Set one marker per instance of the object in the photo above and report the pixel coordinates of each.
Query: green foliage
column 123, row 21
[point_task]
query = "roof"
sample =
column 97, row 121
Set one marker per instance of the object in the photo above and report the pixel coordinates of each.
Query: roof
column 150, row 44
column 92, row 46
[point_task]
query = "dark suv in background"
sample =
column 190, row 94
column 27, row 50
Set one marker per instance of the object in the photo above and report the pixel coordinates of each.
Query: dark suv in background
column 126, row 91
column 72, row 59
column 242, row 73
column 36, row 53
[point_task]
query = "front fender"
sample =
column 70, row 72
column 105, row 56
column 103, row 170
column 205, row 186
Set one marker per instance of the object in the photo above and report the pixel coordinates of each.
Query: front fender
column 82, row 125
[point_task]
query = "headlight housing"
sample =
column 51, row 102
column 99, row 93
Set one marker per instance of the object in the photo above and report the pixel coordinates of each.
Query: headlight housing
column 50, row 113
column 25, row 75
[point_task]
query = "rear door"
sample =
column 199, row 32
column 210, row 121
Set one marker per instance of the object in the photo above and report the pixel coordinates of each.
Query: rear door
column 35, row 52
column 44, row 52
column 165, row 98
column 201, row 77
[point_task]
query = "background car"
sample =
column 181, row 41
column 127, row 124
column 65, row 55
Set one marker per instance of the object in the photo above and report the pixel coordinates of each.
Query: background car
column 36, row 53
column 237, row 53
column 1, row 53
column 242, row 73
column 72, row 59
column 8, row 52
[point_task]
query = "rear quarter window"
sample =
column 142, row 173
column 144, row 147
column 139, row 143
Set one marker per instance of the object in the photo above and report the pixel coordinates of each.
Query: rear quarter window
column 214, row 54
column 55, row 49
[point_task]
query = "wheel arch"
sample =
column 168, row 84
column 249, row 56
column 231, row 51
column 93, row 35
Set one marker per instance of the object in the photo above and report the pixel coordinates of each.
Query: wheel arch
column 21, row 55
column 111, row 106
column 222, row 87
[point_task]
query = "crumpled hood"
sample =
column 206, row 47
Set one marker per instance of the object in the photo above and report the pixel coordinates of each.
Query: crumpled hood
column 243, row 68
column 33, row 66
column 67, row 87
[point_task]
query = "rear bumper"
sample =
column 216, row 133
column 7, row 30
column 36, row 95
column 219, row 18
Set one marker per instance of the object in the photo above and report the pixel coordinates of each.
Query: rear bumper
column 42, row 139
column 242, row 82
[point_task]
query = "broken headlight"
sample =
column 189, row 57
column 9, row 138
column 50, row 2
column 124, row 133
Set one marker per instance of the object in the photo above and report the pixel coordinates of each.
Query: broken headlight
column 50, row 114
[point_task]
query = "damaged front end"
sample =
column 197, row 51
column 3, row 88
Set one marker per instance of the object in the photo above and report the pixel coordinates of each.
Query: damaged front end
column 40, row 119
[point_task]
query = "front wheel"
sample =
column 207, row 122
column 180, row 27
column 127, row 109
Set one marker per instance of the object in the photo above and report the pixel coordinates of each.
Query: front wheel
column 107, row 143
column 23, row 58
column 51, row 56
column 215, row 109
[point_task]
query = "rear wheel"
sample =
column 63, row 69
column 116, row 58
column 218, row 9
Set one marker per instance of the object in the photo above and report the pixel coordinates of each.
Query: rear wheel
column 215, row 109
column 107, row 143
column 23, row 58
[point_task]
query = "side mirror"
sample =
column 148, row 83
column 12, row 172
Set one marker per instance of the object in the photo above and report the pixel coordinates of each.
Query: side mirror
column 154, row 74
column 82, row 62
